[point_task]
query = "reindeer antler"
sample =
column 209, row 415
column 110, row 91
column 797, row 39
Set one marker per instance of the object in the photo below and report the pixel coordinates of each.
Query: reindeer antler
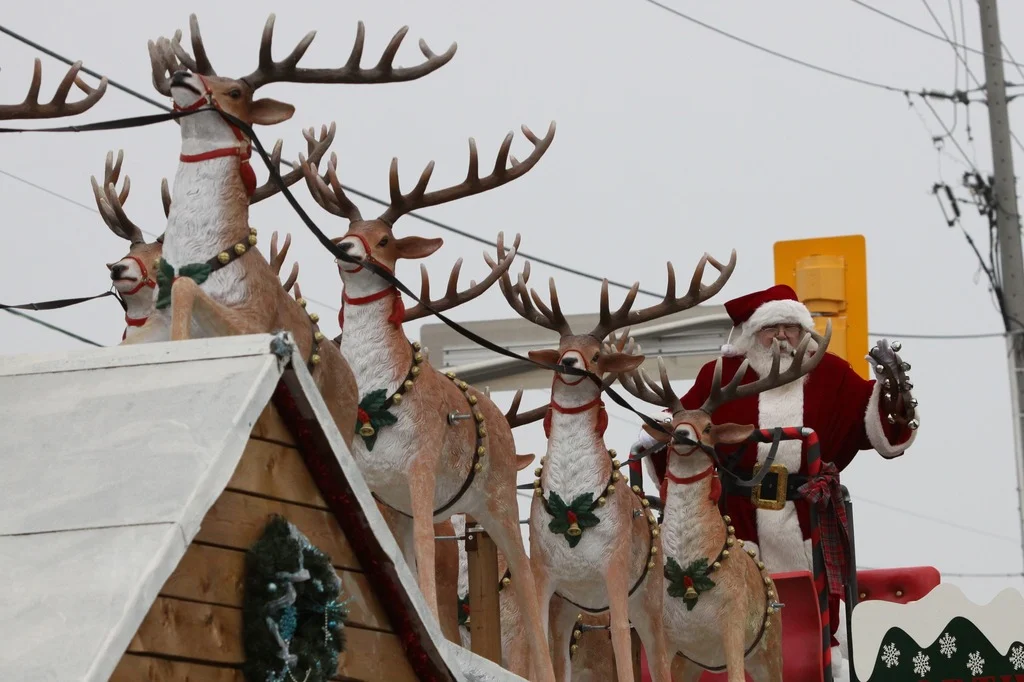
column 277, row 259
column 287, row 70
column 111, row 204
column 799, row 367
column 539, row 314
column 167, row 56
column 640, row 385
column 452, row 296
column 473, row 184
column 330, row 198
column 697, row 293
column 515, row 419
column 31, row 108
column 314, row 148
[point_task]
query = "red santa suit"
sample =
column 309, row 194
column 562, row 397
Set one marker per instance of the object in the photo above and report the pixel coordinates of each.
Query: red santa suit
column 841, row 407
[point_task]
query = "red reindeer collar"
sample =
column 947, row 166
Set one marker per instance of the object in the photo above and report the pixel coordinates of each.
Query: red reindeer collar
column 716, row 485
column 132, row 322
column 602, row 415
column 397, row 316
column 243, row 150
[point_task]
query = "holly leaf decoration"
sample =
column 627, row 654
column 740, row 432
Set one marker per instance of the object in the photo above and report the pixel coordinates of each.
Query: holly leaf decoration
column 464, row 611
column 563, row 516
column 374, row 401
column 687, row 584
column 199, row 272
column 372, row 410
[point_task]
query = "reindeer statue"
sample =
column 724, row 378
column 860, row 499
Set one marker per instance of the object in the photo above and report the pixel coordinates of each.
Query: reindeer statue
column 134, row 274
column 591, row 541
column 429, row 445
column 207, row 285
column 720, row 608
column 58, row 107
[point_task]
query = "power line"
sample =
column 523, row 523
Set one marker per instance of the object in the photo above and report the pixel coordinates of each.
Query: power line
column 934, row 519
column 922, row 31
column 774, row 53
column 53, row 327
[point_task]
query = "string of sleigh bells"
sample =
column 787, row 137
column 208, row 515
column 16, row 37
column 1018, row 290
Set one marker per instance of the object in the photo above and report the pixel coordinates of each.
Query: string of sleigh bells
column 252, row 141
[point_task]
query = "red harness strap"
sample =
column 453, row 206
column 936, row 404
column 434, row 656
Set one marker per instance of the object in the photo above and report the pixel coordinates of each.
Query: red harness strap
column 602, row 415
column 716, row 484
column 144, row 281
column 243, row 150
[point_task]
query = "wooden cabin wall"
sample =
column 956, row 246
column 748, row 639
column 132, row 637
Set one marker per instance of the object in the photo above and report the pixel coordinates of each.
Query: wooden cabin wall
column 193, row 631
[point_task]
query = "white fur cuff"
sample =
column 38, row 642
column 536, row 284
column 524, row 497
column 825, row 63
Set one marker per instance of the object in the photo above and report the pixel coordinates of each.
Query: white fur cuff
column 876, row 434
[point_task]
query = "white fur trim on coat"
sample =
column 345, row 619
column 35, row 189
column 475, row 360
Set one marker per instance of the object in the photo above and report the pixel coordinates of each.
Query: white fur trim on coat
column 876, row 434
column 773, row 312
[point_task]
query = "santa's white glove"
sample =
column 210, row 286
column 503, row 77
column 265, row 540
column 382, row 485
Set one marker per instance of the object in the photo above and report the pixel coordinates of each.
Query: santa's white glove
column 645, row 441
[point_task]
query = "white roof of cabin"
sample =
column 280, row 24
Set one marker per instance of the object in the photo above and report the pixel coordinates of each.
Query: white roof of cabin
column 111, row 457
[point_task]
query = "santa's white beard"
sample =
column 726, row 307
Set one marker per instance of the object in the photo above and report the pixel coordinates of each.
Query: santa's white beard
column 761, row 358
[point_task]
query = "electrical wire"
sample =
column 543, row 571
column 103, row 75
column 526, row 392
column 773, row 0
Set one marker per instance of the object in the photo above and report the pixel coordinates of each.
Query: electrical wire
column 922, row 31
column 933, row 519
column 779, row 55
column 54, row 327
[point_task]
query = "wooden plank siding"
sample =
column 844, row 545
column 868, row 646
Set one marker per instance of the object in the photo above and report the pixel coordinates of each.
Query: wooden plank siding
column 193, row 631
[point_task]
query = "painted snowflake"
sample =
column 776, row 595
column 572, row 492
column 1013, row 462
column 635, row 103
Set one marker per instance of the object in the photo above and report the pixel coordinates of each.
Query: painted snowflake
column 890, row 655
column 921, row 664
column 975, row 663
column 947, row 645
column 1017, row 657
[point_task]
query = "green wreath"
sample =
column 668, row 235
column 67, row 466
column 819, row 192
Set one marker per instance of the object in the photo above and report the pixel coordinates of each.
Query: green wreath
column 292, row 617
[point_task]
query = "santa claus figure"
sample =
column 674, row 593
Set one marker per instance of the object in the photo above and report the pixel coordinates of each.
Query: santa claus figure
column 848, row 413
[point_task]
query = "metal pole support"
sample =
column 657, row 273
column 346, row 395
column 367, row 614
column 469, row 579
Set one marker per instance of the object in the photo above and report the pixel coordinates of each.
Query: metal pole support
column 852, row 594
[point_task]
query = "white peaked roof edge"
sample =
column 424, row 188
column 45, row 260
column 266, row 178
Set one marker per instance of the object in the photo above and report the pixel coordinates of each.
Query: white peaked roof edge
column 57, row 629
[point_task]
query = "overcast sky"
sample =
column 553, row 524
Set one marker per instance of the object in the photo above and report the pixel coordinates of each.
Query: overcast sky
column 671, row 140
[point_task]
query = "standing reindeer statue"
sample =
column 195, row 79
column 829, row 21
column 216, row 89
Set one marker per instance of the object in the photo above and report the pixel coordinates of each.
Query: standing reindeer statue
column 429, row 444
column 134, row 275
column 721, row 606
column 591, row 540
column 211, row 281
column 58, row 107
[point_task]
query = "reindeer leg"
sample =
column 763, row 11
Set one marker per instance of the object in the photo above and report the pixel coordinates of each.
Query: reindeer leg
column 562, row 619
column 650, row 626
column 421, row 492
column 189, row 301
column 447, row 571
column 617, row 582
column 766, row 663
column 685, row 671
column 534, row 590
column 733, row 631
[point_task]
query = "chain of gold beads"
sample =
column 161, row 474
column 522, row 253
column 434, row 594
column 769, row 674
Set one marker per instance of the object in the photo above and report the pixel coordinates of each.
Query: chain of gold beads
column 395, row 399
column 771, row 606
column 478, row 417
column 240, row 248
column 318, row 336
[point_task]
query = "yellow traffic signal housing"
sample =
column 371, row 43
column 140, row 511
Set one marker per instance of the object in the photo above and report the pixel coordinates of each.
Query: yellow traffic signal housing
column 829, row 275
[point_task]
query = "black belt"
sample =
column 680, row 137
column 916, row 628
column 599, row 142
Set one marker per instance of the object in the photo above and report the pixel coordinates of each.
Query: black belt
column 767, row 494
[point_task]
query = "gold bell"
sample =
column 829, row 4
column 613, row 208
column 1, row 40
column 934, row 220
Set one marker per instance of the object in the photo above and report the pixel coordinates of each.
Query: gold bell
column 481, row 451
column 478, row 466
column 252, row 240
column 397, row 399
column 472, row 400
column 314, row 317
column 537, row 471
column 418, row 357
column 239, row 249
column 315, row 359
column 366, row 430
column 577, row 634
column 479, row 416
column 690, row 593
column 302, row 302
column 319, row 336
column 574, row 648
column 252, row 231
column 574, row 529
column 727, row 519
column 407, row 384
column 506, row 581
column 601, row 501
column 223, row 257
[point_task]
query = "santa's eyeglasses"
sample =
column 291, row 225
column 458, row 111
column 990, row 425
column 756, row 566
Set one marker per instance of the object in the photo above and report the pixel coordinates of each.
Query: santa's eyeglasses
column 788, row 329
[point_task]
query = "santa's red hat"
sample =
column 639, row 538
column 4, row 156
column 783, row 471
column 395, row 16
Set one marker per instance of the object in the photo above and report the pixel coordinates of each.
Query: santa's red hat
column 774, row 305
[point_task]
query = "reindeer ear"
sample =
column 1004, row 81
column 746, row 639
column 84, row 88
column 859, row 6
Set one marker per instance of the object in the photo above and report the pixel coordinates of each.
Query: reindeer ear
column 730, row 433
column 523, row 461
column 657, row 434
column 268, row 111
column 417, row 247
column 548, row 356
column 619, row 363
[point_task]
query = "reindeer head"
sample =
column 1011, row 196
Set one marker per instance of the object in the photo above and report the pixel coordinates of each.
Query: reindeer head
column 134, row 274
column 692, row 433
column 375, row 241
column 588, row 351
column 192, row 82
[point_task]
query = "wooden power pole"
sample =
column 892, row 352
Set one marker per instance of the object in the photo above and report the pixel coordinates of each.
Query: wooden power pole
column 1008, row 228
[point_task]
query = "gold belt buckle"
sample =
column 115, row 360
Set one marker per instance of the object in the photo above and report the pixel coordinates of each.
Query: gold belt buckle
column 779, row 501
